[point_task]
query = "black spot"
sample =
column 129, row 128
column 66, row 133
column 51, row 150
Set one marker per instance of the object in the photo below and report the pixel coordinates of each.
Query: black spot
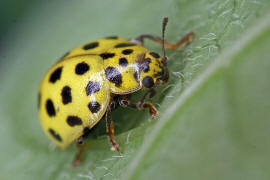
column 123, row 62
column 121, row 45
column 112, row 37
column 50, row 108
column 107, row 55
column 56, row 75
column 65, row 55
column 55, row 135
column 66, row 95
column 148, row 82
column 39, row 98
column 136, row 76
column 113, row 75
column 144, row 66
column 127, row 51
column 81, row 68
column 74, row 120
column 91, row 45
column 92, row 87
column 94, row 106
column 155, row 55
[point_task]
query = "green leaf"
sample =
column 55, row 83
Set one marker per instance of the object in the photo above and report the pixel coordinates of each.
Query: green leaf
column 214, row 114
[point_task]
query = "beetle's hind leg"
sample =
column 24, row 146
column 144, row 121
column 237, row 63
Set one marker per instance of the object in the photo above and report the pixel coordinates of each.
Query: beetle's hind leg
column 78, row 157
column 80, row 142
column 141, row 104
column 110, row 128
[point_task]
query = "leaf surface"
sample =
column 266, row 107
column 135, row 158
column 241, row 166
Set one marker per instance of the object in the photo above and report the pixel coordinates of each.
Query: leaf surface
column 214, row 114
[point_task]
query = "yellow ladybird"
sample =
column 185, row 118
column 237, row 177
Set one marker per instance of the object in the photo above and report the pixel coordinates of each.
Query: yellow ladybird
column 88, row 81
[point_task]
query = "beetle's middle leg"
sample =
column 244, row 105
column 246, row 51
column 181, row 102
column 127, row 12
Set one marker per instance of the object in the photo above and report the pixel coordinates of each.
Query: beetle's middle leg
column 110, row 127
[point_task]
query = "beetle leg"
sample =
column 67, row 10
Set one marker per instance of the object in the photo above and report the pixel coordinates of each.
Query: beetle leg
column 81, row 146
column 151, row 108
column 78, row 157
column 168, row 45
column 151, row 92
column 110, row 129
column 141, row 104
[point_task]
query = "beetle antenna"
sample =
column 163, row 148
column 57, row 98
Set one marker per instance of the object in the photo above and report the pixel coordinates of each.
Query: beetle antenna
column 164, row 24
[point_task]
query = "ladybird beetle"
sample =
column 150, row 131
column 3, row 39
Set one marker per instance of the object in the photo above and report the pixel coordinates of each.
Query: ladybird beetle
column 88, row 81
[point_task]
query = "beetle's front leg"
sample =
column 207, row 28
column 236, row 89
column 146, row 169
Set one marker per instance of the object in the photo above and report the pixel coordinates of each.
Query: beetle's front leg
column 168, row 45
column 141, row 104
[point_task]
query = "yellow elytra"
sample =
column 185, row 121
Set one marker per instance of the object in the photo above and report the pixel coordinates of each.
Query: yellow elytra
column 88, row 80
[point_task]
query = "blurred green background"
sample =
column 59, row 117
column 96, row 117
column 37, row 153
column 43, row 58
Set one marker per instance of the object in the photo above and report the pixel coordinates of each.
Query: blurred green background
column 11, row 13
column 214, row 114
